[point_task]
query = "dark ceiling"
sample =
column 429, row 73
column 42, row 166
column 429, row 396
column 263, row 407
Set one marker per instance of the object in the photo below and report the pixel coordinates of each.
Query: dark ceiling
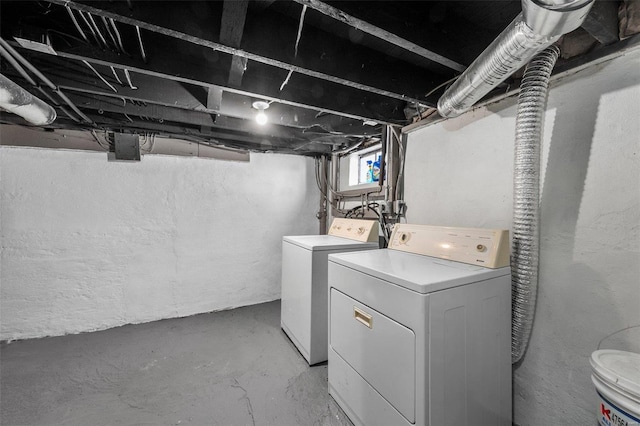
column 332, row 72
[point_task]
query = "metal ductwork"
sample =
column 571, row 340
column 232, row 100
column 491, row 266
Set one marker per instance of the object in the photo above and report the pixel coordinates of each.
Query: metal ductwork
column 525, row 241
column 541, row 23
column 17, row 100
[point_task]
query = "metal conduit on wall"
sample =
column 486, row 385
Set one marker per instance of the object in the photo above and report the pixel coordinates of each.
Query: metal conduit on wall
column 540, row 24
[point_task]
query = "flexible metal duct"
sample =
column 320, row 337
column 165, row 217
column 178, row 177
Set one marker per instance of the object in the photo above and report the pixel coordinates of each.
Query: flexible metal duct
column 15, row 99
column 540, row 24
column 526, row 198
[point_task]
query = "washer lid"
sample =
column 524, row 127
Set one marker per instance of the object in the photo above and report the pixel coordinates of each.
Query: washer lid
column 326, row 242
column 422, row 274
column 618, row 368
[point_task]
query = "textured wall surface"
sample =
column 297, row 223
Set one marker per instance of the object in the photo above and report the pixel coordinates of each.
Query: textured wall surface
column 459, row 173
column 89, row 244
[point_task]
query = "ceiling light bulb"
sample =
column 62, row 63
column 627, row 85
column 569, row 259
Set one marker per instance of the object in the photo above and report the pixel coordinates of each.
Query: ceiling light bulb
column 261, row 118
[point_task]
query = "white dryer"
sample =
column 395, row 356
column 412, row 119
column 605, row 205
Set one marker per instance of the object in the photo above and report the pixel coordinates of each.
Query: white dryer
column 416, row 336
column 304, row 315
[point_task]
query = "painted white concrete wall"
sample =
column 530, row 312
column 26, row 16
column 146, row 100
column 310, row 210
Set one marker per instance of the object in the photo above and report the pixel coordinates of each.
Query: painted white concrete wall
column 459, row 173
column 89, row 244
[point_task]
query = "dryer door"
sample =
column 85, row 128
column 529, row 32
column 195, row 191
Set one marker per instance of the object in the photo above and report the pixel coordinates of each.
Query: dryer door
column 378, row 348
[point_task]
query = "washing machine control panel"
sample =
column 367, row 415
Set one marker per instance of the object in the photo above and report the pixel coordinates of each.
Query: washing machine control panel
column 483, row 247
column 355, row 229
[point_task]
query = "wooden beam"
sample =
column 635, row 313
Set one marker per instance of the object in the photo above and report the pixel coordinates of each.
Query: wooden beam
column 380, row 33
column 234, row 13
column 602, row 22
column 158, row 101
column 214, row 100
column 236, row 71
column 172, row 64
column 142, row 111
column 208, row 124
column 329, row 53
column 233, row 51
column 227, row 137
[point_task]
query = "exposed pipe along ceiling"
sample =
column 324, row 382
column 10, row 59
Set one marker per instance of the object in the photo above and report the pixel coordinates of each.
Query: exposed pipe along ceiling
column 332, row 73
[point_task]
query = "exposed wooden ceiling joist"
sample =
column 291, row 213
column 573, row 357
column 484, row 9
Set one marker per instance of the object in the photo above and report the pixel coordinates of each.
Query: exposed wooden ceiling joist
column 176, row 95
column 143, row 111
column 602, row 22
column 219, row 47
column 380, row 33
column 234, row 13
column 167, row 64
column 326, row 67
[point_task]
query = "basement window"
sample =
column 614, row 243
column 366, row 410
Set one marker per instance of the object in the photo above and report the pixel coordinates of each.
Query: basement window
column 367, row 164
column 360, row 167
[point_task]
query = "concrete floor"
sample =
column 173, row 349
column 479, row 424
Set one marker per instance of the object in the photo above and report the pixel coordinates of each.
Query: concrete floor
column 234, row 367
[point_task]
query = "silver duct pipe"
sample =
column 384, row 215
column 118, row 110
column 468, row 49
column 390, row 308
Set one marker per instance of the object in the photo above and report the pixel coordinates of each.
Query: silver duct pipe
column 17, row 100
column 526, row 198
column 541, row 23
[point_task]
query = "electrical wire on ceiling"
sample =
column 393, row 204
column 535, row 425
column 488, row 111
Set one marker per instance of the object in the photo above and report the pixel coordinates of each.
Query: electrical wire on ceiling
column 101, row 31
column 95, row 136
column 110, row 33
column 104, row 80
column 76, row 24
column 149, row 138
column 290, row 73
column 115, row 74
column 64, row 36
column 299, row 35
column 100, row 37
column 142, row 52
column 431, row 92
column 86, row 22
column 128, row 77
column 286, row 80
column 109, row 25
column 117, row 33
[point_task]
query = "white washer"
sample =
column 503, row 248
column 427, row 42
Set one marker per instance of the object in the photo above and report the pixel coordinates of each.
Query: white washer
column 416, row 339
column 304, row 281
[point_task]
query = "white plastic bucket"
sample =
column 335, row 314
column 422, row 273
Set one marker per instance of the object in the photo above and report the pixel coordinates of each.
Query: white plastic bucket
column 616, row 375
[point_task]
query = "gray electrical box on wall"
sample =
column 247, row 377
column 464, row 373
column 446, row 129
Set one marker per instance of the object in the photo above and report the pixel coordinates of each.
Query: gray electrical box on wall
column 127, row 147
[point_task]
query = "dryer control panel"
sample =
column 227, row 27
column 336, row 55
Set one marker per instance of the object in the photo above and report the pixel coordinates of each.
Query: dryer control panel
column 355, row 229
column 476, row 246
